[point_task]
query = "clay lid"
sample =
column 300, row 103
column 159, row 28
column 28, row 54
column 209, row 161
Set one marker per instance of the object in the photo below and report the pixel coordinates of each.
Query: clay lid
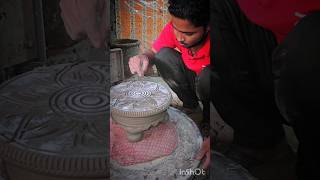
column 53, row 120
column 139, row 98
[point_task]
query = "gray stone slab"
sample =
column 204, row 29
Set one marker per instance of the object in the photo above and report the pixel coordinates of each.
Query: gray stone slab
column 53, row 122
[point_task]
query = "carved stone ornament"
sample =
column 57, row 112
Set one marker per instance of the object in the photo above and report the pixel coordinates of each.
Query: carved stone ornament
column 138, row 105
column 53, row 123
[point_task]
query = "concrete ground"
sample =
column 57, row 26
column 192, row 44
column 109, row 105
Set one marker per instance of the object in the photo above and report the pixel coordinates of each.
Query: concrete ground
column 281, row 166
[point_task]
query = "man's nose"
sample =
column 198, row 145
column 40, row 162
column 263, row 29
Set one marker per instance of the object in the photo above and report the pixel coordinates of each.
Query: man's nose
column 180, row 37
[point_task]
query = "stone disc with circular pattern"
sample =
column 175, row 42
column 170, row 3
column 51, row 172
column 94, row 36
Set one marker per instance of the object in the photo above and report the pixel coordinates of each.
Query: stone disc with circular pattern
column 54, row 120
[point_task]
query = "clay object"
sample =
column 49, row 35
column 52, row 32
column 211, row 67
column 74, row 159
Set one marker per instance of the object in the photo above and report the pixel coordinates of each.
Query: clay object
column 53, row 123
column 138, row 105
column 167, row 166
column 159, row 141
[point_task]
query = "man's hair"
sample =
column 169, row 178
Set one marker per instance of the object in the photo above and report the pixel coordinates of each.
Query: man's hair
column 196, row 11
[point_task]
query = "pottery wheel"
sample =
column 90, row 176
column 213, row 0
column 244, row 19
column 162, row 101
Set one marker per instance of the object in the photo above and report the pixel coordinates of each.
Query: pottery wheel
column 53, row 120
column 189, row 143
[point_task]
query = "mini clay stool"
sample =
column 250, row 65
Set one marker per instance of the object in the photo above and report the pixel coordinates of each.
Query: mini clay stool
column 138, row 105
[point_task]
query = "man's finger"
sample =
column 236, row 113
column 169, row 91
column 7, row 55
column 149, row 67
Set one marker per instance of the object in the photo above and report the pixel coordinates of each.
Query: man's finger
column 130, row 67
column 136, row 66
column 139, row 66
column 207, row 161
column 140, row 73
column 204, row 149
column 145, row 64
column 201, row 153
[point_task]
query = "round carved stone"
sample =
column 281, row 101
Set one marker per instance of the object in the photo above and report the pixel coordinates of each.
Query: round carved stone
column 138, row 105
column 53, row 123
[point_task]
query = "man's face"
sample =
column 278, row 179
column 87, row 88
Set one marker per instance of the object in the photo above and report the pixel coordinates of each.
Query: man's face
column 186, row 33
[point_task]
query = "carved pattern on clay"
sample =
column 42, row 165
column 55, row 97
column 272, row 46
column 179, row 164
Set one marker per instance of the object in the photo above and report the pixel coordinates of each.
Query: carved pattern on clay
column 60, row 113
column 139, row 98
column 138, row 105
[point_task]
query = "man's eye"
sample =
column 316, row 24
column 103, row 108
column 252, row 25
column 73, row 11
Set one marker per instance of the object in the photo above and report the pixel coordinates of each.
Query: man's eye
column 189, row 34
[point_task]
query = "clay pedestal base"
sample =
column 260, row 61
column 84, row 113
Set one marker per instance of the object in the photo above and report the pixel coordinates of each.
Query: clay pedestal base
column 166, row 167
column 138, row 105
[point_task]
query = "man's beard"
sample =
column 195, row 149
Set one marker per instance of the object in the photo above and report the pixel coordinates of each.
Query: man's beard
column 200, row 41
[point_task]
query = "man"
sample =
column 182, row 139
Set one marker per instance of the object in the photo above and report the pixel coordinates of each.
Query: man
column 258, row 47
column 181, row 54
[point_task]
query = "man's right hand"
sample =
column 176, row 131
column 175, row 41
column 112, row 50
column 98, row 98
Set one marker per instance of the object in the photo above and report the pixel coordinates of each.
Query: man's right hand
column 139, row 64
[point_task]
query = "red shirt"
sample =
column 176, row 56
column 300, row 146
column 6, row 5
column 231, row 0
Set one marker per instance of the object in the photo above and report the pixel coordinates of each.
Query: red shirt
column 279, row 16
column 195, row 63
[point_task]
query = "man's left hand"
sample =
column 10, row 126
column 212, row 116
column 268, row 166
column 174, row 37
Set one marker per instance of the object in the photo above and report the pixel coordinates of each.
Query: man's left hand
column 204, row 153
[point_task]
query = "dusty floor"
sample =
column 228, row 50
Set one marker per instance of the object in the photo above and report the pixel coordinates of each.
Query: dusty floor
column 282, row 164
